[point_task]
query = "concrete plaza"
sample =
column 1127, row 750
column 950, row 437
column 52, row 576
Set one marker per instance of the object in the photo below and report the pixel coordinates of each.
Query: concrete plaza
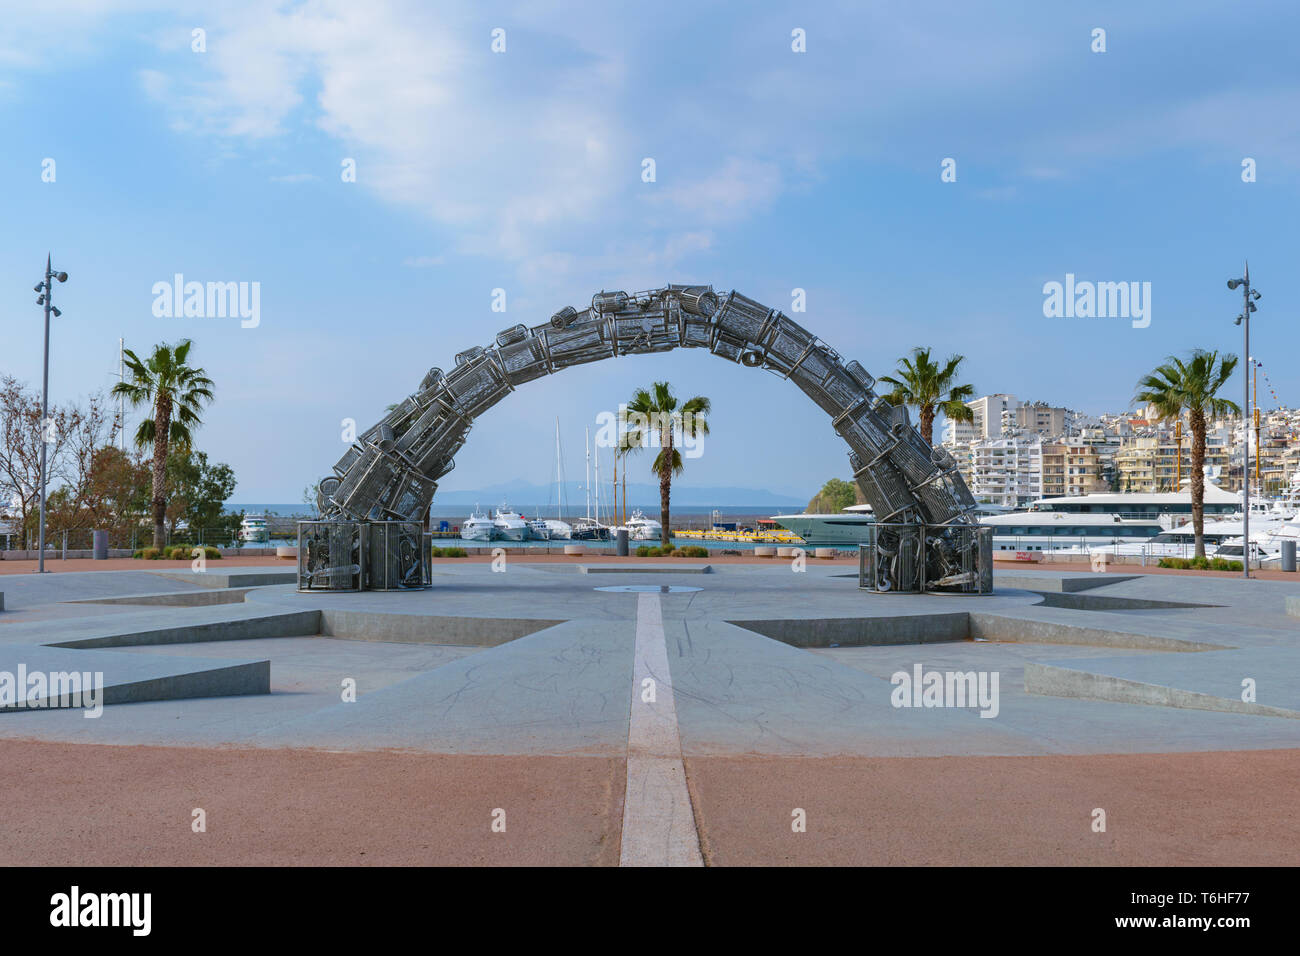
column 677, row 713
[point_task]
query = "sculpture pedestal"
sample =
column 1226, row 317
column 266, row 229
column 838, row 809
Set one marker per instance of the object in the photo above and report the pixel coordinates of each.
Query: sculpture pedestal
column 362, row 556
column 919, row 558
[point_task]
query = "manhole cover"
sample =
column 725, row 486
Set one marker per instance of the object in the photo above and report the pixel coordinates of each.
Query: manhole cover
column 653, row 588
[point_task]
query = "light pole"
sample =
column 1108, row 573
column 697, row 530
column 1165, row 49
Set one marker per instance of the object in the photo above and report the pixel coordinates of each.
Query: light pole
column 1248, row 297
column 46, row 298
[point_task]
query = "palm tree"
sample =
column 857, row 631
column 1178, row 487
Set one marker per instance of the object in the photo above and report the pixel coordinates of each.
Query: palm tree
column 1191, row 387
column 176, row 392
column 630, row 440
column 921, row 382
column 663, row 415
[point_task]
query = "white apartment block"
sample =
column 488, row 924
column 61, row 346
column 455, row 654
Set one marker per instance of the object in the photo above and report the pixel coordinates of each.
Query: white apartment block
column 992, row 415
column 958, row 434
column 1006, row 471
column 991, row 412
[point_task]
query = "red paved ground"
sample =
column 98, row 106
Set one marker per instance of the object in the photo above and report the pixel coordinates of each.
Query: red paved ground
column 134, row 564
column 86, row 804
column 81, row 804
column 1162, row 810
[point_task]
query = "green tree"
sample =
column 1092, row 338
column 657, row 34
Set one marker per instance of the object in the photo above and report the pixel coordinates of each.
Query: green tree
column 118, row 496
column 175, row 393
column 1177, row 387
column 198, row 491
column 836, row 495
column 929, row 387
column 656, row 412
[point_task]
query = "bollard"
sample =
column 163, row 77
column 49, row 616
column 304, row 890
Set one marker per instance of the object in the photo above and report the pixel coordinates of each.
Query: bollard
column 1288, row 555
column 620, row 542
column 99, row 545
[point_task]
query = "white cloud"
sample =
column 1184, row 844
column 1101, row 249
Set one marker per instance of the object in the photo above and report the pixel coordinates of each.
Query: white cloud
column 497, row 146
column 737, row 190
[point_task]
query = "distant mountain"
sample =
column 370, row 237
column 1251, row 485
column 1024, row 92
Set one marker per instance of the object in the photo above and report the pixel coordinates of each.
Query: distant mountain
column 639, row 495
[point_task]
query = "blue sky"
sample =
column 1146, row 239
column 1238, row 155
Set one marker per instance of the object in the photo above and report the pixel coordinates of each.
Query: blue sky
column 522, row 170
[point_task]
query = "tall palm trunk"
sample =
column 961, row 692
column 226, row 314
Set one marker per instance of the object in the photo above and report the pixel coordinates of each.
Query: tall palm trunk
column 927, row 423
column 1198, row 480
column 162, row 425
column 665, row 482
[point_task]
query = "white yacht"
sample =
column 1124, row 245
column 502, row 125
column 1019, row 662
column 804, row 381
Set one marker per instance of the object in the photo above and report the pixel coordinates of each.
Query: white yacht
column 477, row 527
column 550, row 529
column 1059, row 531
column 641, row 528
column 509, row 525
column 1109, row 520
column 1271, row 523
column 844, row 529
column 254, row 529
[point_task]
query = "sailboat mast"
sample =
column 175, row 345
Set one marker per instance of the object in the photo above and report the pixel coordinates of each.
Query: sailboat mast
column 559, row 472
column 586, row 485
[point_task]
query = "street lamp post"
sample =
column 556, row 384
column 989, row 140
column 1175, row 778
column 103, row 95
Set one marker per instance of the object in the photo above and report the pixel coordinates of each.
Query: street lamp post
column 46, row 298
column 1248, row 297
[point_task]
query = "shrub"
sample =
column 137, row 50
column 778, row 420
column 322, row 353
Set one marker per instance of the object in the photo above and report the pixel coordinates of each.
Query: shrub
column 1200, row 564
column 150, row 554
column 448, row 552
column 691, row 551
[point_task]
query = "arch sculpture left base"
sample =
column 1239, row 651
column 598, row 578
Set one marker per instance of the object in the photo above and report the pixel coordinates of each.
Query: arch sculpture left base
column 363, row 556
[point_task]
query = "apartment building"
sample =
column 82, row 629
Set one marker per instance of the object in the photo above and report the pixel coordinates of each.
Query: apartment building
column 1046, row 421
column 1006, row 471
column 1151, row 463
column 991, row 414
column 1072, row 469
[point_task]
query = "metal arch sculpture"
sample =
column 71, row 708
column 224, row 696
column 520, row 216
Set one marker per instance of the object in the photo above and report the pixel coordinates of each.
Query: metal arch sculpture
column 391, row 473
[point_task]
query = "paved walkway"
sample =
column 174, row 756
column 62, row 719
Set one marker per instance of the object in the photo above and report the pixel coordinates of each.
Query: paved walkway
column 768, row 686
